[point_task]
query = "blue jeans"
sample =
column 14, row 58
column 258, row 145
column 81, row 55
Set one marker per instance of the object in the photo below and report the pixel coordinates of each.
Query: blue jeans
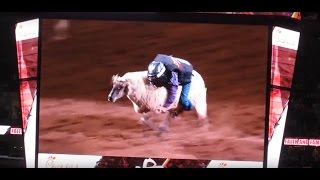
column 184, row 100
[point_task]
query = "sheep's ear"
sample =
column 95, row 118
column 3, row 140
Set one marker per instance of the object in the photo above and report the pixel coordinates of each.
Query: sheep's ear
column 126, row 81
column 122, row 79
column 114, row 78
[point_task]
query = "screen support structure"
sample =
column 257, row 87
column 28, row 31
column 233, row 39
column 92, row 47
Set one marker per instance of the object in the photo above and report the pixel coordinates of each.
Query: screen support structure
column 27, row 33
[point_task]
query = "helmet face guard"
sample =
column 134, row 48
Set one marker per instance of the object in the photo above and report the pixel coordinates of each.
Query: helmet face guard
column 152, row 78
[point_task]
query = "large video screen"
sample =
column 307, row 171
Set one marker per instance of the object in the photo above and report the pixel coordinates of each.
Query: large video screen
column 96, row 98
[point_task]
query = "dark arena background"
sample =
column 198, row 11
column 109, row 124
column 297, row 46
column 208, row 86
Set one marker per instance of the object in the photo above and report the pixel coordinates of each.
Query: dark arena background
column 303, row 117
column 78, row 59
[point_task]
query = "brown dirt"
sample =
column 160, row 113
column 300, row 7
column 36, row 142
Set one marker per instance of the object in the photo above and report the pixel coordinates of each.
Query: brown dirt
column 75, row 117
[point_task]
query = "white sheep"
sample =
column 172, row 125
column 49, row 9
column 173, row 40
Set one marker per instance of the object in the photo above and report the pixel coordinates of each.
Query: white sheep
column 147, row 99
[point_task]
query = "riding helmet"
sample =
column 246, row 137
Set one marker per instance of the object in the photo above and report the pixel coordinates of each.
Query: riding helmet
column 156, row 69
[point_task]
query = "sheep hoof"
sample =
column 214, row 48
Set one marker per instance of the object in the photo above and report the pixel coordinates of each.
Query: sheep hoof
column 163, row 128
column 203, row 125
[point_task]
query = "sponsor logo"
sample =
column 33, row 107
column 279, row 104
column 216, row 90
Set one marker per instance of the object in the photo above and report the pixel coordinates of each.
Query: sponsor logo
column 52, row 163
column 27, row 30
column 314, row 142
column 15, row 130
column 67, row 161
column 234, row 164
column 222, row 165
column 285, row 38
column 147, row 162
column 301, row 142
column 178, row 61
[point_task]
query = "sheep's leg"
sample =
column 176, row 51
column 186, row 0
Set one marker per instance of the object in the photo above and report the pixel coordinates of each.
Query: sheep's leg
column 203, row 122
column 165, row 125
column 145, row 127
column 175, row 114
column 146, row 119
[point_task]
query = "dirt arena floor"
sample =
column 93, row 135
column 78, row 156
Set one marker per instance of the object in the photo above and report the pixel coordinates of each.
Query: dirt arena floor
column 80, row 57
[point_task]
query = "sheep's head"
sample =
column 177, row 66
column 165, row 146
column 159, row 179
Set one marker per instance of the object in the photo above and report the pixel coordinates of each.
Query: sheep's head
column 119, row 88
